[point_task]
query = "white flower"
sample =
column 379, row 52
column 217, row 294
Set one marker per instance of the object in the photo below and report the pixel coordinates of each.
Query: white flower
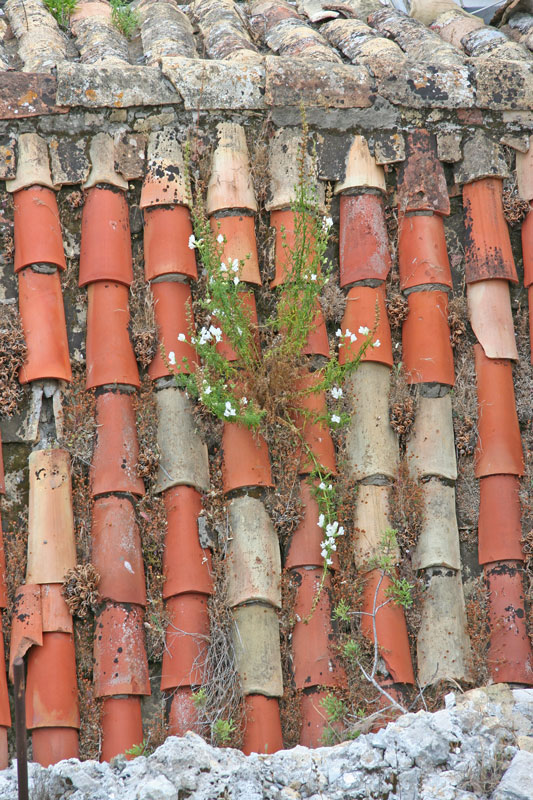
column 353, row 337
column 348, row 333
column 322, row 486
column 377, row 343
column 340, row 532
column 182, row 337
column 329, row 561
column 331, row 528
column 324, row 553
column 220, row 239
column 335, row 418
column 328, row 222
column 313, row 276
column 364, row 331
column 216, row 332
column 172, row 357
column 336, row 392
column 192, row 242
column 235, row 265
column 244, row 401
column 223, row 267
column 229, row 410
column 235, row 280
column 333, row 546
column 321, row 521
column 338, row 333
column 205, row 336
column 207, row 390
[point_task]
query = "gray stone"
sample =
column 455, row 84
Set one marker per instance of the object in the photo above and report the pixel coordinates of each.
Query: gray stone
column 130, row 155
column 94, row 86
column 159, row 788
column 425, row 85
column 503, row 85
column 389, row 148
column 69, row 162
column 517, row 783
column 449, row 146
column 482, row 158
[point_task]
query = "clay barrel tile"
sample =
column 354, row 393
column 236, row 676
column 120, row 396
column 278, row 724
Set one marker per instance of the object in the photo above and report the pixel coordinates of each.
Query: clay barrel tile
column 285, row 223
column 527, row 247
column 164, row 182
column 315, row 719
column 51, row 545
column 183, row 714
column 305, row 545
column 51, row 686
column 108, row 318
column 257, row 650
column 186, row 565
column 102, row 157
column 120, row 664
column 105, row 251
column 51, row 745
column 530, row 304
column 421, row 180
column 365, row 307
column 33, row 164
column 443, row 644
column 167, row 231
column 488, row 251
column 248, row 305
column 262, row 725
column 430, row 449
column 427, row 350
column 37, row 229
column 361, row 170
column 4, row 754
column 371, row 520
column 363, row 241
column 317, row 343
column 230, row 183
column 246, row 461
column 315, row 661
column 174, row 319
column 55, row 613
column 499, row 523
column 239, row 233
column 371, row 444
column 285, row 149
column 524, row 172
column 422, row 253
column 253, row 562
column 116, row 551
column 3, row 572
column 315, row 432
column 499, row 447
column 509, row 659
column 122, row 726
column 26, row 623
column 43, row 321
column 186, row 641
column 491, row 317
column 116, row 451
column 183, row 454
column 438, row 543
column 391, row 629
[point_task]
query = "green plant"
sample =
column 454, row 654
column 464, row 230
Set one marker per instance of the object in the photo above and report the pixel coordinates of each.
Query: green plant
column 61, row 10
column 139, row 749
column 222, row 730
column 123, row 18
column 199, row 697
column 266, row 387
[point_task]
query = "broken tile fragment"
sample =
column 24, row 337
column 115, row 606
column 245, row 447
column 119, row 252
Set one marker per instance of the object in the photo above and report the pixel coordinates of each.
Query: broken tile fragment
column 69, row 161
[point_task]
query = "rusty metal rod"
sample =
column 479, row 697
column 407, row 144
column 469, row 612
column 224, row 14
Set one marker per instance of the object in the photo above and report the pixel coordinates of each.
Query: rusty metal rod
column 20, row 728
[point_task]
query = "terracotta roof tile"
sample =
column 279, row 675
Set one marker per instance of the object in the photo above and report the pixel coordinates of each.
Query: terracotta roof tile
column 363, row 242
column 183, row 714
column 185, row 641
column 304, row 548
column 487, row 244
column 427, row 350
column 36, row 211
column 186, row 565
column 122, row 726
column 105, row 238
column 246, row 461
column 51, row 688
column 167, row 230
column 173, row 315
column 97, row 39
column 116, row 450
column 50, row 745
column 165, row 31
column 491, row 318
column 108, row 318
column 421, row 180
column 365, row 308
column 422, row 253
column 499, row 524
column 120, row 665
column 262, row 733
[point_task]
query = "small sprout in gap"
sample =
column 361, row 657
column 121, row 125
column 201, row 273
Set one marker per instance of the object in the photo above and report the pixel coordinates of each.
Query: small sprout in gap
column 137, row 749
column 124, row 19
column 222, row 730
column 352, row 650
column 61, row 10
column 342, row 611
column 199, row 698
column 334, row 707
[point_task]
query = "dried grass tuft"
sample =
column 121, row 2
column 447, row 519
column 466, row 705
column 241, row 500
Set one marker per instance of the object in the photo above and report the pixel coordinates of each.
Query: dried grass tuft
column 12, row 356
column 80, row 590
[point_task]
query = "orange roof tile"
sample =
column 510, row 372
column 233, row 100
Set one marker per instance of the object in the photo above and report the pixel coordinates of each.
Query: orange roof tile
column 105, row 253
column 186, row 565
column 427, row 350
column 186, row 641
column 174, row 316
column 108, row 318
column 487, row 244
column 167, row 230
column 363, row 241
column 38, row 238
column 422, row 253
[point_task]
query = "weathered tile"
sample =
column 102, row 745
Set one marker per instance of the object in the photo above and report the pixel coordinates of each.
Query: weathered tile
column 33, row 165
column 257, row 650
column 371, row 520
column 164, row 183
column 487, row 243
column 389, row 148
column 524, row 172
column 503, row 86
column 69, row 161
column 230, row 183
column 425, row 85
column 205, row 84
column 183, row 454
column 421, row 179
column 491, row 317
column 371, row 444
column 102, row 155
column 449, row 146
column 130, row 155
column 361, row 169
column 438, row 543
column 443, row 644
column 97, row 86
column 292, row 81
column 482, row 158
column 284, row 151
column 430, row 449
column 253, row 561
